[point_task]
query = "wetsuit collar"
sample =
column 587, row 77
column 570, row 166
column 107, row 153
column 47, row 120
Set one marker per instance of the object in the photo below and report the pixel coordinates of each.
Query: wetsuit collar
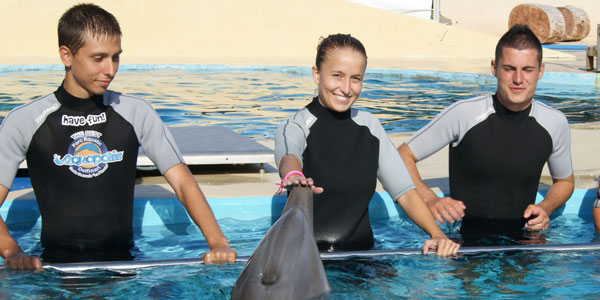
column 513, row 116
column 327, row 115
column 72, row 102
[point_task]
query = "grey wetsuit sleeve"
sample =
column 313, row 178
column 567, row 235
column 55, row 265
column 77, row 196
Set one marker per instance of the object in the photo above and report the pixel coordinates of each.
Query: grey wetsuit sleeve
column 555, row 122
column 291, row 134
column 154, row 137
column 391, row 170
column 450, row 126
column 16, row 131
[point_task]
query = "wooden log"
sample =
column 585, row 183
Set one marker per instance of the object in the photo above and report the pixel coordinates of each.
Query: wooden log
column 577, row 23
column 546, row 21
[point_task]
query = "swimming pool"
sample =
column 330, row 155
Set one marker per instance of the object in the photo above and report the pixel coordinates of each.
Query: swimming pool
column 163, row 230
column 253, row 100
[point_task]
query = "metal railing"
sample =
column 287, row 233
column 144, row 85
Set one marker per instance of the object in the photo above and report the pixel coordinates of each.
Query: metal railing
column 140, row 264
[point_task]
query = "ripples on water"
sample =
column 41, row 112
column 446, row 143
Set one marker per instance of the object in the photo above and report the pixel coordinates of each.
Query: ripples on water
column 253, row 101
column 508, row 275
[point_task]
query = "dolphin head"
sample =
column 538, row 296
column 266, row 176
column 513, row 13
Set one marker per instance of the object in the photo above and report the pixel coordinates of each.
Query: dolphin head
column 286, row 264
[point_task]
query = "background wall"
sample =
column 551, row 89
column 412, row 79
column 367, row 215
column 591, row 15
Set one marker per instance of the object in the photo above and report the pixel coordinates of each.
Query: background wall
column 242, row 32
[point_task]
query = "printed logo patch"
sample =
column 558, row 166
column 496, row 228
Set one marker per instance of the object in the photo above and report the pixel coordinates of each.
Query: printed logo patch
column 83, row 121
column 87, row 156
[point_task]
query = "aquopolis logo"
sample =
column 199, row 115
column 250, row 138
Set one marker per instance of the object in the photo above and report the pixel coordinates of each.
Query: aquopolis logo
column 87, row 156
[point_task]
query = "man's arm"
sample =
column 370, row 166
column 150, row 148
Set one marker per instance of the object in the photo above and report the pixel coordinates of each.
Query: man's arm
column 417, row 211
column 442, row 209
column 14, row 257
column 556, row 196
column 188, row 192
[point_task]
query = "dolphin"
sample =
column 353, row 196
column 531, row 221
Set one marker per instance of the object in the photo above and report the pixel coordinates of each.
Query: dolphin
column 286, row 264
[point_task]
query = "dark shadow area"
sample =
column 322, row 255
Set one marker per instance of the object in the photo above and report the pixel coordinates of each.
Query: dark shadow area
column 22, row 173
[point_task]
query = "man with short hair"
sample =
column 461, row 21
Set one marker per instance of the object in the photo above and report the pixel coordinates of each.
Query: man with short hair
column 498, row 147
column 81, row 144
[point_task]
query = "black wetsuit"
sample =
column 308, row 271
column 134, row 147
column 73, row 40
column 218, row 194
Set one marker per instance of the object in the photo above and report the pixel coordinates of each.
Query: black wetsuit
column 345, row 153
column 496, row 158
column 81, row 157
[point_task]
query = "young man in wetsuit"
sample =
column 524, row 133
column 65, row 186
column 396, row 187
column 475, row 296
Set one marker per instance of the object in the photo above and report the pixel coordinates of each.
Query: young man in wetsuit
column 498, row 146
column 81, row 144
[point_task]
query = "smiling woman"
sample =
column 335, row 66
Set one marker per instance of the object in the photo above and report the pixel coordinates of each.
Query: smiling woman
column 340, row 151
column 338, row 72
column 340, row 79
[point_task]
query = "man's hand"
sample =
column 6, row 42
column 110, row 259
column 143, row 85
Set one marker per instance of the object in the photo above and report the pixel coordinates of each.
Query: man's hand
column 539, row 221
column 442, row 245
column 21, row 261
column 219, row 255
column 446, row 209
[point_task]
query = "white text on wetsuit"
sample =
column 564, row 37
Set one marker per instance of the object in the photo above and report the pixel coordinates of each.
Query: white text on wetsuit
column 82, row 120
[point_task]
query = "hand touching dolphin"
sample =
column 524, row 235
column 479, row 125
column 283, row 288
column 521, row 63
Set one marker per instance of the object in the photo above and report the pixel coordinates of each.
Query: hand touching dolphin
column 286, row 264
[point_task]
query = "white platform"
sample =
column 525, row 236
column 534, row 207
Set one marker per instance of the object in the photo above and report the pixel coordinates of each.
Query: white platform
column 214, row 145
column 210, row 145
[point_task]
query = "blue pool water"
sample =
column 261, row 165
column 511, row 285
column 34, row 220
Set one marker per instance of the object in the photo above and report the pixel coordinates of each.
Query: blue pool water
column 253, row 100
column 169, row 234
column 515, row 276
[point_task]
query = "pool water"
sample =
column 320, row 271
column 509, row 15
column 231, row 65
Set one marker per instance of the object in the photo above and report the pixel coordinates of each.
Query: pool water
column 487, row 276
column 513, row 275
column 253, row 100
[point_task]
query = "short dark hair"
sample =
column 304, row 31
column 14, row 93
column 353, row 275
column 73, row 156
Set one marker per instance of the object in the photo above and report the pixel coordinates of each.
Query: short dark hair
column 83, row 18
column 337, row 41
column 520, row 37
